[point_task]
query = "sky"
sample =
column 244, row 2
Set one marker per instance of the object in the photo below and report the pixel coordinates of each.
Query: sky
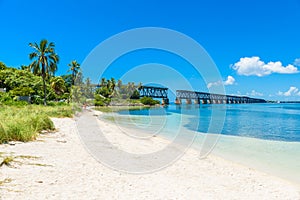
column 255, row 45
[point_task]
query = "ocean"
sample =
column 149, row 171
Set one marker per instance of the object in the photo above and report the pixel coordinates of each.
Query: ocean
column 261, row 136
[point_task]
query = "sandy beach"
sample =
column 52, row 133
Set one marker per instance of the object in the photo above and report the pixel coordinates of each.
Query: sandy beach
column 58, row 166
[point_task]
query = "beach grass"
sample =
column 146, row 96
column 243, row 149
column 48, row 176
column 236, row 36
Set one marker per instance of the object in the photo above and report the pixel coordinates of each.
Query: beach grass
column 6, row 161
column 24, row 123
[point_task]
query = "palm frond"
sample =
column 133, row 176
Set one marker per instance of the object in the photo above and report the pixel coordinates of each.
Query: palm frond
column 33, row 55
column 43, row 45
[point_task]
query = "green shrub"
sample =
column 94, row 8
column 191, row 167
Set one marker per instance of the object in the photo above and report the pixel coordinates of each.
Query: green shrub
column 149, row 101
column 21, row 91
column 135, row 95
column 101, row 101
column 36, row 99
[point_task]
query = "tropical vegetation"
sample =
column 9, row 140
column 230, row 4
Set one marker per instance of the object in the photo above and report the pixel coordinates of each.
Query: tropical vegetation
column 31, row 94
column 44, row 61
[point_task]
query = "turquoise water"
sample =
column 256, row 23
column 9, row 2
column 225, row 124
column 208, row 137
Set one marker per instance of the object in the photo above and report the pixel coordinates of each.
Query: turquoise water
column 265, row 121
column 261, row 136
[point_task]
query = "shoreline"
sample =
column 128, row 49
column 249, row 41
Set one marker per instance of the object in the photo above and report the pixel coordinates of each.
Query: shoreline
column 285, row 164
column 64, row 169
column 228, row 157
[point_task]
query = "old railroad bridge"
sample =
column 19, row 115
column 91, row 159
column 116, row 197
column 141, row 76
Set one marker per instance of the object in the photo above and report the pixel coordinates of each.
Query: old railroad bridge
column 197, row 97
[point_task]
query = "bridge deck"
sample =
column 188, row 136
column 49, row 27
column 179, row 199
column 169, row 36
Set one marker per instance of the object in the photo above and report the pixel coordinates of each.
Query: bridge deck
column 155, row 92
column 214, row 98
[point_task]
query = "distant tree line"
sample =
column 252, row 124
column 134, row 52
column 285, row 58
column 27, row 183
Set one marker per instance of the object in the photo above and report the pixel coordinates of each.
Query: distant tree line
column 38, row 81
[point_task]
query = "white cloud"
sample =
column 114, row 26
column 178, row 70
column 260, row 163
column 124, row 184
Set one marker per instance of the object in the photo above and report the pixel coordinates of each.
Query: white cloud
column 209, row 85
column 229, row 81
column 255, row 93
column 253, row 66
column 293, row 91
column 297, row 62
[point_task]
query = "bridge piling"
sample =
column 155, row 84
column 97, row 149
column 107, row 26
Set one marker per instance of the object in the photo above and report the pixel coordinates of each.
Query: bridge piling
column 188, row 101
column 177, row 101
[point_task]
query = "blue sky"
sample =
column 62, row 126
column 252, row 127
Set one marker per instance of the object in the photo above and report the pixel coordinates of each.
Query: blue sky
column 246, row 39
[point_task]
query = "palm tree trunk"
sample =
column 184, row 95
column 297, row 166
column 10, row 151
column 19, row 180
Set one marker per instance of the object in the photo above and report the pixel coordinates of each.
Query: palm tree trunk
column 44, row 83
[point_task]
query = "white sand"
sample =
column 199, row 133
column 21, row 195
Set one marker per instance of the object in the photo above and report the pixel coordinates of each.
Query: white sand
column 65, row 170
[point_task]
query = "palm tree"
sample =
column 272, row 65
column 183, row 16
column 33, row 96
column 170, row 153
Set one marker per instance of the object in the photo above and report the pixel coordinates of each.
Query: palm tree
column 74, row 68
column 88, row 88
column 103, row 82
column 45, row 60
column 119, row 84
column 113, row 83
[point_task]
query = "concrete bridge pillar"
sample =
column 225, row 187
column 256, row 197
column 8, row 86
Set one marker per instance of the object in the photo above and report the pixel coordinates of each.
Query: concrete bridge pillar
column 165, row 101
column 188, row 101
column 197, row 101
column 204, row 101
column 177, row 101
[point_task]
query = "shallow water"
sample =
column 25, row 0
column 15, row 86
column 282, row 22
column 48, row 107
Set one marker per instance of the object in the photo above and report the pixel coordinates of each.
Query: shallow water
column 261, row 136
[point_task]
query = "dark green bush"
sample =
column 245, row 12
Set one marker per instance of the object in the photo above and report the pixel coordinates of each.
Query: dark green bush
column 101, row 101
column 149, row 101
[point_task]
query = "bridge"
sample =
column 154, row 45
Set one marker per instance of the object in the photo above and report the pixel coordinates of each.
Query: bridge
column 154, row 92
column 210, row 98
column 198, row 97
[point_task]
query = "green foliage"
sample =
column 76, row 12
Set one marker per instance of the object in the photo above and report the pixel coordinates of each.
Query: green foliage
column 135, row 95
column 21, row 91
column 101, row 101
column 107, row 88
column 88, row 89
column 24, row 83
column 68, row 80
column 2, row 66
column 127, row 91
column 26, row 68
column 77, row 95
column 12, row 78
column 58, row 86
column 119, row 93
column 5, row 97
column 149, row 101
column 36, row 99
column 104, row 91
